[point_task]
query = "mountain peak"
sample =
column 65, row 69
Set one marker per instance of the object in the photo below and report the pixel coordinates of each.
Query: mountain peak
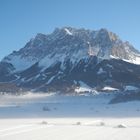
column 40, row 35
column 106, row 34
column 103, row 30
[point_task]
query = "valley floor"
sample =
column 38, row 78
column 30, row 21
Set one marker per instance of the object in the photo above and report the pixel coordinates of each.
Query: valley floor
column 43, row 117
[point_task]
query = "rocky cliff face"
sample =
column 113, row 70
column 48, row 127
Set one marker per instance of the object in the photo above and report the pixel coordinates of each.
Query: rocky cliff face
column 62, row 60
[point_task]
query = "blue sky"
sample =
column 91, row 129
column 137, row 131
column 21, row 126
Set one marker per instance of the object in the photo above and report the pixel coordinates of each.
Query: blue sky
column 21, row 20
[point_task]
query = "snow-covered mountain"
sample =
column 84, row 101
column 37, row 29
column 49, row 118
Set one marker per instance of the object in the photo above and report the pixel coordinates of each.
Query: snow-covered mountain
column 64, row 59
column 74, row 44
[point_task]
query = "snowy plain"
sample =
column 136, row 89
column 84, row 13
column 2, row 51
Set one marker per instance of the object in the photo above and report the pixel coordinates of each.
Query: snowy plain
column 52, row 117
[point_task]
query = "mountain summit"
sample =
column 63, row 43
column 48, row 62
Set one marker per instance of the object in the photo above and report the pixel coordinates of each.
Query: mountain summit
column 69, row 57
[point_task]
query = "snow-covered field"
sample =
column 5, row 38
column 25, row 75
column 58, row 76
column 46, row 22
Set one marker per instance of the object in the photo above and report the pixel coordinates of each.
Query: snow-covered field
column 42, row 117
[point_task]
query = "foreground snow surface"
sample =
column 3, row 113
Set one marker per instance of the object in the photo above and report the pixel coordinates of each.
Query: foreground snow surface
column 69, row 129
column 42, row 117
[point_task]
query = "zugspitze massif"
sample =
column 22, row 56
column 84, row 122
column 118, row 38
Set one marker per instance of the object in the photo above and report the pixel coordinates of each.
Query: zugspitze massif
column 72, row 60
